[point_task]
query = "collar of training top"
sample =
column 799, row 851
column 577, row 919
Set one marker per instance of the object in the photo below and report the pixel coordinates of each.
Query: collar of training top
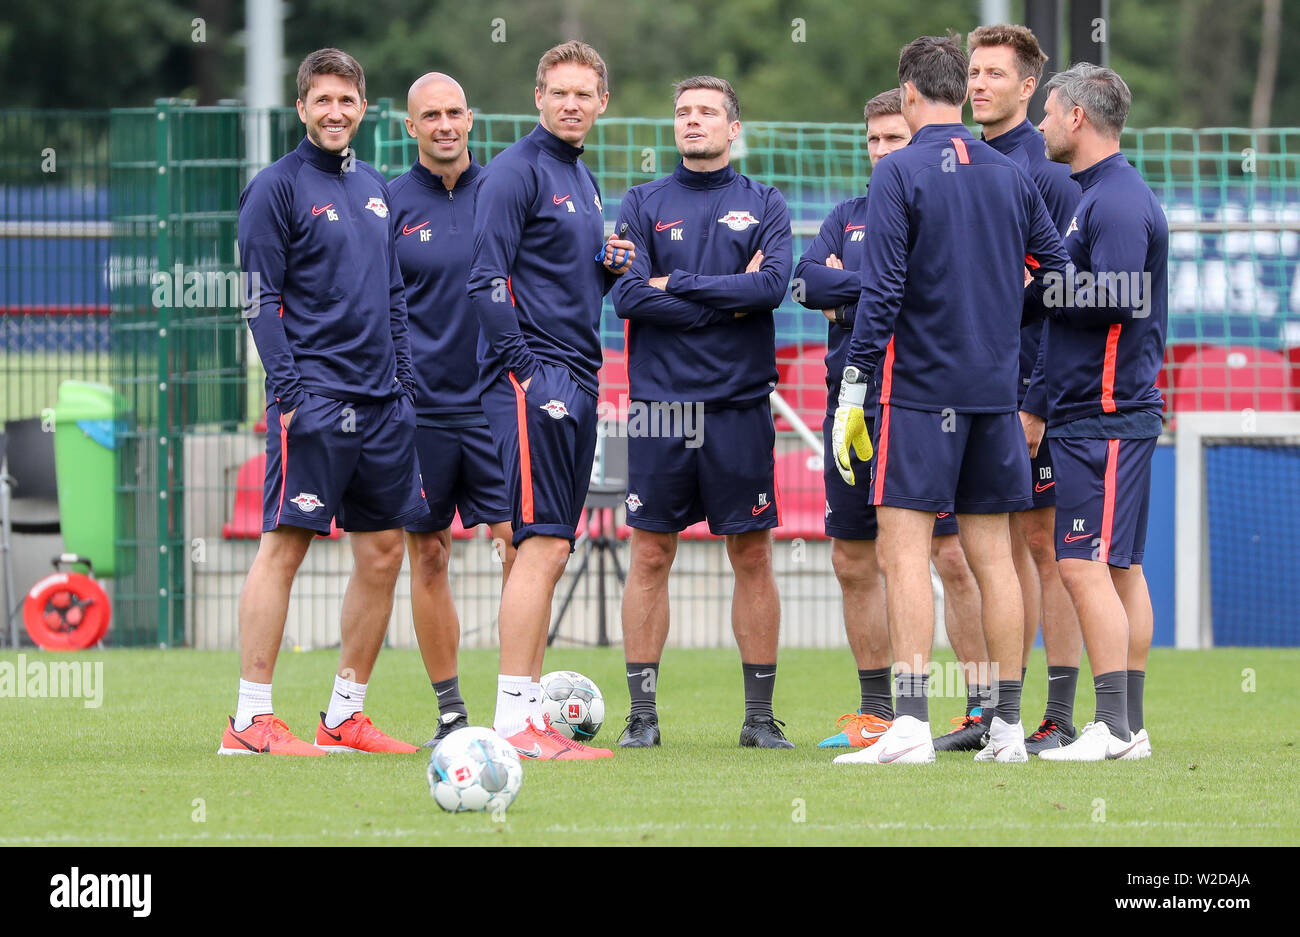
column 941, row 131
column 1089, row 177
column 554, row 145
column 329, row 162
column 1020, row 135
column 421, row 174
column 713, row 179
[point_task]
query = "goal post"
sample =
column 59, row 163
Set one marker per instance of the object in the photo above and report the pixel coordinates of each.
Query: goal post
column 1196, row 432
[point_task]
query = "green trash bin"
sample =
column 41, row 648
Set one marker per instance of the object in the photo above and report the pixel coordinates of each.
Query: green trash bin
column 85, row 464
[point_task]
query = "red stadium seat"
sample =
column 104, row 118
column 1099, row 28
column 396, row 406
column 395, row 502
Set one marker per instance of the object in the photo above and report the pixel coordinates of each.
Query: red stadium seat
column 801, row 495
column 260, row 425
column 1233, row 378
column 613, row 385
column 801, row 380
column 246, row 520
column 1176, row 355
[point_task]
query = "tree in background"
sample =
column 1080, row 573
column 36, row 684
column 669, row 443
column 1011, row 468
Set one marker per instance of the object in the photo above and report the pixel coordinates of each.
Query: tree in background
column 1189, row 62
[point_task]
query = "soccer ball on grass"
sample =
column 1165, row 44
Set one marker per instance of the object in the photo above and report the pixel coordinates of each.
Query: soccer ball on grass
column 474, row 769
column 574, row 703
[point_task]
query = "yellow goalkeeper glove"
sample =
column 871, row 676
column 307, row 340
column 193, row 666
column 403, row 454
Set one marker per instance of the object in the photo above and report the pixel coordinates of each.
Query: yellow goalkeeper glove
column 850, row 428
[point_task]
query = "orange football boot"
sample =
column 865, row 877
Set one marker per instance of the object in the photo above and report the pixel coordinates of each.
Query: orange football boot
column 358, row 734
column 546, row 744
column 266, row 736
column 857, row 730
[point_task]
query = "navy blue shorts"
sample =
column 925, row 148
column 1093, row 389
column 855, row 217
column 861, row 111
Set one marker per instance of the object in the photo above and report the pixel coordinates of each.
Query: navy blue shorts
column 728, row 478
column 850, row 515
column 1040, row 472
column 545, row 442
column 1103, row 491
column 460, row 471
column 351, row 461
column 948, row 462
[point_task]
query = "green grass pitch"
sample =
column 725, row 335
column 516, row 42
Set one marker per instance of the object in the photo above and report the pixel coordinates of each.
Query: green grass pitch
column 142, row 768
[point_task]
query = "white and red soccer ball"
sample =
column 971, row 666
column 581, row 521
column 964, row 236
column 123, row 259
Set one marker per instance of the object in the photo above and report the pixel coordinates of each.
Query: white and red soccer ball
column 574, row 703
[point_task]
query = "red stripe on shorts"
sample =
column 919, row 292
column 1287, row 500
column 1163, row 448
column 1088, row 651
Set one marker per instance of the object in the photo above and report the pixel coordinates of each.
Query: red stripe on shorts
column 284, row 465
column 1108, row 504
column 525, row 463
column 882, row 456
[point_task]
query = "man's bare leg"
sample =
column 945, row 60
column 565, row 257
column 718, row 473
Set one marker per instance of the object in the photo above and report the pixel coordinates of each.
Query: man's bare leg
column 961, row 618
column 645, row 616
column 904, row 553
column 986, row 539
column 523, row 621
column 264, row 600
column 1105, row 625
column 1062, row 639
column 756, row 622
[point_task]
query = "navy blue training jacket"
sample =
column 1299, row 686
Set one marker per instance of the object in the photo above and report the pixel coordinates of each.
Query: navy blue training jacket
column 432, row 229
column 943, row 295
column 1024, row 146
column 1107, row 321
column 822, row 287
column 700, row 230
column 534, row 281
column 328, row 315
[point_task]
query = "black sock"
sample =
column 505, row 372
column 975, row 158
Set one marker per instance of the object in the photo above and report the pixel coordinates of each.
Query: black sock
column 760, row 680
column 981, row 697
column 1137, row 680
column 1061, row 685
column 910, row 697
column 642, row 685
column 1023, row 671
column 1112, row 702
column 1008, row 702
column 448, row 693
column 876, row 698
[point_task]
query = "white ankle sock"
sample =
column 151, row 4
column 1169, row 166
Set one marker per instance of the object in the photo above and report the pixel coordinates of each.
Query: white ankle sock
column 517, row 698
column 254, row 700
column 348, row 698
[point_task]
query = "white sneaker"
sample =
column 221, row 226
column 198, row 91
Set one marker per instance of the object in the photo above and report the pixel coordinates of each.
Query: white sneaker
column 1095, row 743
column 1006, row 743
column 907, row 742
column 1143, row 747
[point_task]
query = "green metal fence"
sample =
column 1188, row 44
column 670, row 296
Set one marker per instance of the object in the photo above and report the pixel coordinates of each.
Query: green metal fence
column 121, row 266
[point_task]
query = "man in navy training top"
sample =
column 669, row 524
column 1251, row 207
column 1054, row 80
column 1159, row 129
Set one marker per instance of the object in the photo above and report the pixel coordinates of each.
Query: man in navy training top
column 540, row 267
column 433, row 218
column 1006, row 64
column 829, row 275
column 713, row 261
column 951, row 222
column 329, row 320
column 1104, row 347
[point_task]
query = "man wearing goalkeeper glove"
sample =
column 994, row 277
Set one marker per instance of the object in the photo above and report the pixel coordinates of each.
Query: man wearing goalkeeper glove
column 713, row 257
column 1104, row 348
column 829, row 276
column 951, row 222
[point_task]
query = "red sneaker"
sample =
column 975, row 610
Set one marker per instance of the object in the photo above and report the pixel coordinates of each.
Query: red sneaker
column 545, row 744
column 266, row 736
column 358, row 734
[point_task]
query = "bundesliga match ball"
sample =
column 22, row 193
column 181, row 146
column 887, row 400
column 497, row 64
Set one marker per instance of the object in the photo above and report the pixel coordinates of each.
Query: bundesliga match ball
column 474, row 769
column 574, row 703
